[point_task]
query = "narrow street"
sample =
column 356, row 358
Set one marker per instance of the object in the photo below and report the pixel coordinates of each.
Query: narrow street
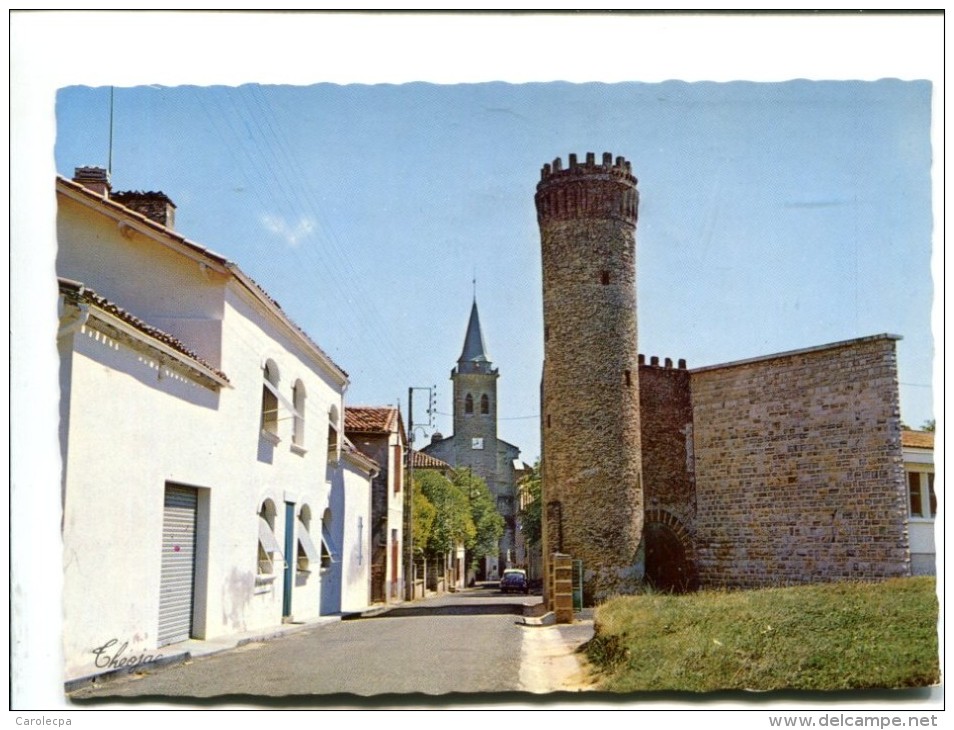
column 469, row 642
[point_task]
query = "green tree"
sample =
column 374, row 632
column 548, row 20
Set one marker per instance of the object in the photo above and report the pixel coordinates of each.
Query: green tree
column 929, row 425
column 488, row 522
column 531, row 511
column 452, row 523
column 423, row 514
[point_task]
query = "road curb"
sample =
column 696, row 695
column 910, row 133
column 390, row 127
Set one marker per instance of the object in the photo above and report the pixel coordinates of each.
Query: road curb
column 371, row 612
column 547, row 619
column 89, row 680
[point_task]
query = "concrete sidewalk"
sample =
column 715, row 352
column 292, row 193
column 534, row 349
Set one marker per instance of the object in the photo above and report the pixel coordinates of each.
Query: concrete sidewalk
column 550, row 659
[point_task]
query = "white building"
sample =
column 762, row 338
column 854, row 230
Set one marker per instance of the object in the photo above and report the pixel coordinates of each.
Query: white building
column 207, row 486
column 351, row 497
column 918, row 450
column 378, row 432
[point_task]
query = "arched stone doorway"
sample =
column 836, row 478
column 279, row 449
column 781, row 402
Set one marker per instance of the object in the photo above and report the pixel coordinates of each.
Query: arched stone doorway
column 669, row 563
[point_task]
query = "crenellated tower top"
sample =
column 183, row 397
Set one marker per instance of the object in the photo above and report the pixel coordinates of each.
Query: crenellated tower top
column 587, row 190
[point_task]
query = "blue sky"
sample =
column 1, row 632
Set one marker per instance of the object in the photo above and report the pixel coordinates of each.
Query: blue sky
column 773, row 216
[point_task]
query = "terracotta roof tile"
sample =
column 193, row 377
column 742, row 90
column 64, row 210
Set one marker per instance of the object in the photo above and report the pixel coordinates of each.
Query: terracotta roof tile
column 918, row 439
column 368, row 419
column 79, row 292
column 421, row 460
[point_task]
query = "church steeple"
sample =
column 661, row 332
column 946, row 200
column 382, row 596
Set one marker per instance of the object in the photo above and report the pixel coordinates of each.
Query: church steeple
column 475, row 386
column 473, row 358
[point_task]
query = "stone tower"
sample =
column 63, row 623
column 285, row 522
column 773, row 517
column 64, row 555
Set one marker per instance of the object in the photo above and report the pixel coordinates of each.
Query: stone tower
column 592, row 481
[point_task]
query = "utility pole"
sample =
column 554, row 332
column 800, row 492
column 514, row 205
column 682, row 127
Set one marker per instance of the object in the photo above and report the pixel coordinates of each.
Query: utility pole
column 409, row 572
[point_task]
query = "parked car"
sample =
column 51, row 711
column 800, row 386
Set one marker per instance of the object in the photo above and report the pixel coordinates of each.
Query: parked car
column 515, row 581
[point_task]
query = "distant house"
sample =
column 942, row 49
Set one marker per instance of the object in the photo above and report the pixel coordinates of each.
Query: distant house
column 207, row 487
column 918, row 450
column 426, row 461
column 378, row 433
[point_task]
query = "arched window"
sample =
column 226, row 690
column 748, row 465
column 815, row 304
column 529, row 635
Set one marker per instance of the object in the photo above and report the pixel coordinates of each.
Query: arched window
column 270, row 398
column 469, row 404
column 333, row 445
column 298, row 400
column 307, row 553
column 484, row 404
column 268, row 546
column 327, row 553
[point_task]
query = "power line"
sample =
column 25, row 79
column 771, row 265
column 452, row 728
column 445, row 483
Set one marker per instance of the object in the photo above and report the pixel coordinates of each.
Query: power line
column 245, row 117
column 508, row 418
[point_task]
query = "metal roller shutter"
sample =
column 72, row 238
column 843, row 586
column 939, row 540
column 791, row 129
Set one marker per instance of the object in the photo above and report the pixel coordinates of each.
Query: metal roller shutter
column 178, row 565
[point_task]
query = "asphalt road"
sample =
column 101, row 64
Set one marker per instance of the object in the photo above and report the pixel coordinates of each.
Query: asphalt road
column 467, row 642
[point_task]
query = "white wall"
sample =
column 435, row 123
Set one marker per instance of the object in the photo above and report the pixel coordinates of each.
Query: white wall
column 921, row 529
column 129, row 433
column 280, row 472
column 178, row 295
column 395, row 516
column 356, row 539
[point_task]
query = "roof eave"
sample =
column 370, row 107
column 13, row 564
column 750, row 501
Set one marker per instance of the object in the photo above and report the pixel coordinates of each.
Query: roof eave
column 170, row 238
column 322, row 358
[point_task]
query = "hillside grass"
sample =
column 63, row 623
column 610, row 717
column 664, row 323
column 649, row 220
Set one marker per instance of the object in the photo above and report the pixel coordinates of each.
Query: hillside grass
column 833, row 636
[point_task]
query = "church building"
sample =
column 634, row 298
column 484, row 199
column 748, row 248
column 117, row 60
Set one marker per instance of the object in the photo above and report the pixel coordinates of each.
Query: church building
column 474, row 444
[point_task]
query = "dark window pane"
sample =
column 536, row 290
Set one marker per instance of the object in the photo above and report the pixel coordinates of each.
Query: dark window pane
column 933, row 495
column 914, row 493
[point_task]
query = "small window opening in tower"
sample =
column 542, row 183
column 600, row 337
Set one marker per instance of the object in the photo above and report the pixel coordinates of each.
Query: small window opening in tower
column 628, row 379
column 546, row 334
column 469, row 404
column 484, row 404
column 548, row 420
column 604, row 278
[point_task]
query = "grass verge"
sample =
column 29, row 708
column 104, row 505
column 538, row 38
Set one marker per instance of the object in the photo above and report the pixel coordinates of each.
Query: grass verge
column 832, row 636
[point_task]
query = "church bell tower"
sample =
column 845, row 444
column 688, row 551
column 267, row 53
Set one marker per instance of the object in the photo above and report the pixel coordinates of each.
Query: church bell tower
column 475, row 404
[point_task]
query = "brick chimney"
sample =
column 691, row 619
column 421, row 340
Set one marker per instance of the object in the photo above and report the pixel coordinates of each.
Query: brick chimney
column 156, row 206
column 93, row 178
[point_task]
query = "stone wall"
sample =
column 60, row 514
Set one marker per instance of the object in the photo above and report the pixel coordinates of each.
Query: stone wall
column 798, row 464
column 668, row 478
